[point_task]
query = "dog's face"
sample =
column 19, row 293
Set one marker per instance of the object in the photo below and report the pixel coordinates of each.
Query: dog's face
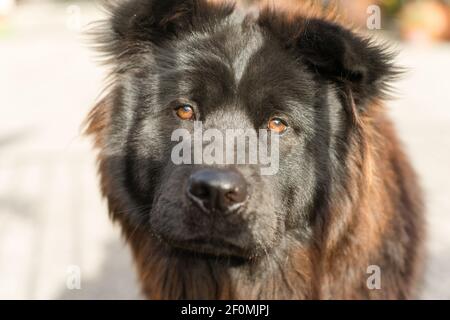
column 191, row 62
column 233, row 79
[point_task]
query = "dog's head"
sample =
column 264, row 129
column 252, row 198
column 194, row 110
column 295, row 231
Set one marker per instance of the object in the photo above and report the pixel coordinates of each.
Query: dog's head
column 187, row 74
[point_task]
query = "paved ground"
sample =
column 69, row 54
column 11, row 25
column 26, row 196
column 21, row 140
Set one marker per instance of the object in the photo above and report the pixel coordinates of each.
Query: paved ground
column 51, row 215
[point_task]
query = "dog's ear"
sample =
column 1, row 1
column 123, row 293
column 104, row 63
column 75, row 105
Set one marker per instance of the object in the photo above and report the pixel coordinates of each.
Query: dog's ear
column 152, row 20
column 352, row 62
column 134, row 22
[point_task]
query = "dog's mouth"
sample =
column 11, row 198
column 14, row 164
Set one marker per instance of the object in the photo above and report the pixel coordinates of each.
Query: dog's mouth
column 213, row 247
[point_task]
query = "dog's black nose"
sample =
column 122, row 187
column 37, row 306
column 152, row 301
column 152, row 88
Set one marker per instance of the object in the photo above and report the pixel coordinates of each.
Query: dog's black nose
column 217, row 190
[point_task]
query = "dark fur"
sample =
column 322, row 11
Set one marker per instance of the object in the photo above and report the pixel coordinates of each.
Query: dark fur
column 345, row 197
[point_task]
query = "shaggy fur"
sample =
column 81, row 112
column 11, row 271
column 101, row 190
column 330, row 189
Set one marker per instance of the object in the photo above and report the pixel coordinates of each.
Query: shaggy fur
column 346, row 196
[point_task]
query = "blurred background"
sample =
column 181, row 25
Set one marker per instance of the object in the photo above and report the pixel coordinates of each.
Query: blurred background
column 53, row 223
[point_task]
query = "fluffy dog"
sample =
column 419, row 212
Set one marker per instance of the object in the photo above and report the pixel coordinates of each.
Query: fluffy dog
column 344, row 198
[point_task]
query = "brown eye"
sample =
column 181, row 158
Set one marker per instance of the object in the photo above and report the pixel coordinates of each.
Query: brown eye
column 185, row 112
column 277, row 125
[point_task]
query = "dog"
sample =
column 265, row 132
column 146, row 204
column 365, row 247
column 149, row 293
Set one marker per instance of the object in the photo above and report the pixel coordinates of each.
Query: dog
column 341, row 217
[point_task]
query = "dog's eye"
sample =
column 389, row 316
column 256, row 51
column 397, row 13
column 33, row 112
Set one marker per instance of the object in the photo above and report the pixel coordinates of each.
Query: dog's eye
column 277, row 125
column 185, row 112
